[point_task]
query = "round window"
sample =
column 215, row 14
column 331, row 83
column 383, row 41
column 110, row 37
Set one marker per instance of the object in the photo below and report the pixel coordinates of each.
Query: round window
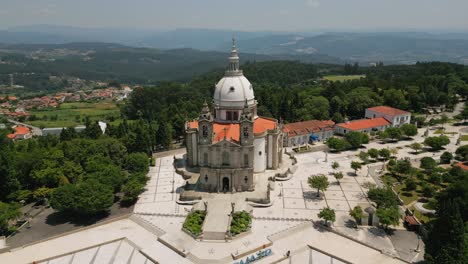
column 231, row 89
column 259, row 153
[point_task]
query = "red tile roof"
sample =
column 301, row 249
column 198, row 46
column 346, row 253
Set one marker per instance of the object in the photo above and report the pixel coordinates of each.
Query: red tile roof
column 462, row 165
column 387, row 110
column 232, row 131
column 307, row 127
column 19, row 130
column 365, row 123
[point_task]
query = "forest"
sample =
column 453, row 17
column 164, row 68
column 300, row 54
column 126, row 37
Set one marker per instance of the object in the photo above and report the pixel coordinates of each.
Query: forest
column 79, row 174
column 294, row 91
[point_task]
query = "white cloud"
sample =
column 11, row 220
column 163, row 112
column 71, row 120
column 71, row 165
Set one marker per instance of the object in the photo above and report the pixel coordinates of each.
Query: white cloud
column 312, row 3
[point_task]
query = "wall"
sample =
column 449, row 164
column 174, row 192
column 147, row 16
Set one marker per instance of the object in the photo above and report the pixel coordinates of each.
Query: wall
column 259, row 155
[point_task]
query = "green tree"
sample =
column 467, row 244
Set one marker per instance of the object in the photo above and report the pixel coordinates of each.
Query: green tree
column 384, row 153
column 356, row 213
column 7, row 212
column 319, row 182
column 446, row 157
column 409, row 130
column 395, row 98
column 444, row 119
column 132, row 189
column 137, row 162
column 446, row 241
column 416, row 147
column 383, row 197
column 41, row 194
column 355, row 165
column 338, row 176
column 337, row 118
column 394, row 133
column 88, row 198
column 364, row 156
column 428, row 164
column 337, row 144
column 165, row 134
column 428, row 190
column 403, row 167
column 373, row 153
column 462, row 153
column 388, row 216
column 437, row 143
column 410, row 184
column 356, row 139
column 327, row 214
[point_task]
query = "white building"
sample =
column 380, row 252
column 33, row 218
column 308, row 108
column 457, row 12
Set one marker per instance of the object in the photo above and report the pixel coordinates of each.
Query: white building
column 231, row 143
column 395, row 116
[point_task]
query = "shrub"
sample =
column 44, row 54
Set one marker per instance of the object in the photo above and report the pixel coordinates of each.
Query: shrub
column 194, row 222
column 435, row 178
column 428, row 190
column 410, row 184
column 241, row 222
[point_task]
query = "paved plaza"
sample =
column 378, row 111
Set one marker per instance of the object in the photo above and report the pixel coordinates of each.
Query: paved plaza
column 153, row 232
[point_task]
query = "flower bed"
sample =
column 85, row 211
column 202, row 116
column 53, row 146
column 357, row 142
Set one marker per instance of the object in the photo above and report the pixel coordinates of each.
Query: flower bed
column 194, row 222
column 241, row 222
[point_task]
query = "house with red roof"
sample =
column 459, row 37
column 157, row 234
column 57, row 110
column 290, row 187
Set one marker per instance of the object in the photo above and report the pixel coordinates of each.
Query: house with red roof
column 300, row 133
column 395, row 116
column 363, row 125
column 21, row 132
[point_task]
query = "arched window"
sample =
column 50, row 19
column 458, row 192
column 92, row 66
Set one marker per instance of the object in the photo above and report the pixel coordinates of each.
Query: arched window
column 205, row 131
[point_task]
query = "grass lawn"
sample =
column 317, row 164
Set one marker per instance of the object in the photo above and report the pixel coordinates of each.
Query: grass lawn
column 342, row 78
column 464, row 138
column 420, row 216
column 73, row 114
column 441, row 131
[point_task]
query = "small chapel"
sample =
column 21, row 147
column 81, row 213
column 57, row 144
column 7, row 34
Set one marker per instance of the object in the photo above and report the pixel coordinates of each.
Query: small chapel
column 230, row 142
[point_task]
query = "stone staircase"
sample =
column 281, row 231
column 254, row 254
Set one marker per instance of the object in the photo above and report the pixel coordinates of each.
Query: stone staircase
column 217, row 219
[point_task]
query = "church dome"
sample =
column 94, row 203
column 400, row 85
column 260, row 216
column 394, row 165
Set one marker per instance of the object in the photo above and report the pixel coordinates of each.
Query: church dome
column 233, row 91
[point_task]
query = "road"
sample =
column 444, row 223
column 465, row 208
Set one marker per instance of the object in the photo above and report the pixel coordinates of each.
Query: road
column 35, row 130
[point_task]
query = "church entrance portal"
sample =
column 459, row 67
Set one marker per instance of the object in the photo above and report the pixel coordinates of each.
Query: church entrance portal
column 225, row 184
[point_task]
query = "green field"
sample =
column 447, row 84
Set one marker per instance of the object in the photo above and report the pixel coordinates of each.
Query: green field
column 464, row 138
column 73, row 114
column 342, row 78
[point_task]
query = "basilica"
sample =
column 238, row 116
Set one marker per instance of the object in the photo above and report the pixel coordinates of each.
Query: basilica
column 230, row 143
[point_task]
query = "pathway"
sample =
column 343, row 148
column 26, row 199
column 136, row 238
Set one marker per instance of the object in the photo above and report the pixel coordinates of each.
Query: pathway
column 217, row 219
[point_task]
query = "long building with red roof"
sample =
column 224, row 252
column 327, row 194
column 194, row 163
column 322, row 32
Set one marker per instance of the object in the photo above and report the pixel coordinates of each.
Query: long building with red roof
column 395, row 116
column 231, row 142
column 378, row 118
column 300, row 133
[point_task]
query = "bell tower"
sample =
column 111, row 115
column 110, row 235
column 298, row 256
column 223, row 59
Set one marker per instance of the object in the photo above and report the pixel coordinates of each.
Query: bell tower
column 246, row 127
column 205, row 126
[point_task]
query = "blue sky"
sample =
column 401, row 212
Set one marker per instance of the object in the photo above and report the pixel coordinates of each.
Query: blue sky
column 284, row 15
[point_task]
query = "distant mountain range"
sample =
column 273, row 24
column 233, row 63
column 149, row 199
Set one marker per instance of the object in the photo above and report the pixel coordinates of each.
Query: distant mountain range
column 389, row 47
column 109, row 61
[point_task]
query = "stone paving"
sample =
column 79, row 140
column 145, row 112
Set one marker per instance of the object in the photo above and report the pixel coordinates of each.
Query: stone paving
column 283, row 226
